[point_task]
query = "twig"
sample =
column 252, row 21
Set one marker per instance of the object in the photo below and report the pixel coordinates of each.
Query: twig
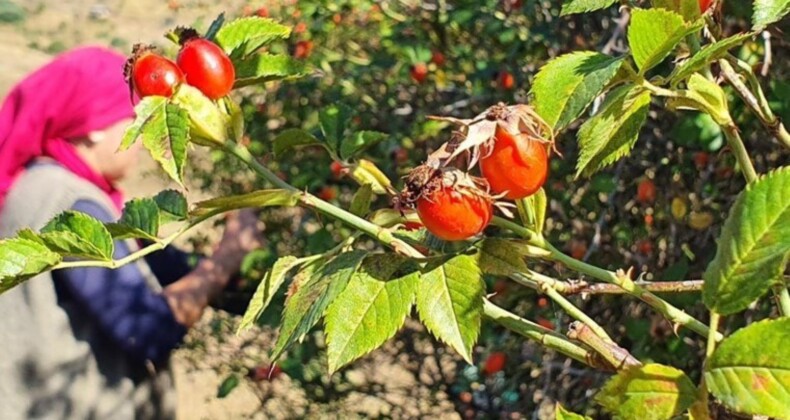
column 754, row 98
column 617, row 356
column 544, row 336
column 583, row 288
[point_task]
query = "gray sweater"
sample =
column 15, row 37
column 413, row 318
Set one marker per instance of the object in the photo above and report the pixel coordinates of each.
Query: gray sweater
column 55, row 362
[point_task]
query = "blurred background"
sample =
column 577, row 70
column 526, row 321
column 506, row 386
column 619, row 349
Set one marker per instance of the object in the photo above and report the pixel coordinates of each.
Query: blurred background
column 394, row 63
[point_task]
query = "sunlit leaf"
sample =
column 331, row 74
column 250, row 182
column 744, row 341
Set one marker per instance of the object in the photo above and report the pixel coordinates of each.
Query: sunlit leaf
column 244, row 36
column 584, row 6
column 21, row 259
column 706, row 55
column 568, row 84
column 612, row 133
column 767, row 12
column 654, row 33
column 649, row 392
column 371, row 309
column 268, row 286
column 262, row 68
column 450, row 302
column 77, row 234
column 260, row 198
column 750, row 370
column 306, row 306
column 754, row 245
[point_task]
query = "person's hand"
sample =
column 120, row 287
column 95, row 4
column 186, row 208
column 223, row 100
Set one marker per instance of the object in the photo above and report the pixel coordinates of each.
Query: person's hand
column 242, row 235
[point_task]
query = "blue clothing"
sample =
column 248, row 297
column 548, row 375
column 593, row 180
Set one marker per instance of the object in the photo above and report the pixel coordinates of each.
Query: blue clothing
column 135, row 317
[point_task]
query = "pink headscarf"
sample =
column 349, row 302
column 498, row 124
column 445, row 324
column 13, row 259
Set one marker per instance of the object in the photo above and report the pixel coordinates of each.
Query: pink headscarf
column 82, row 90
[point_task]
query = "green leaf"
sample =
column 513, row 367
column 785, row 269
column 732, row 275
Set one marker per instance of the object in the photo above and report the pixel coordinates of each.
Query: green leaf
column 584, row 6
column 268, row 286
column 172, row 206
column 216, row 24
column 654, row 33
column 21, row 259
column 229, row 384
column 79, row 235
column 140, row 219
column 501, row 257
column 365, row 172
column 290, row 138
column 532, row 210
column 262, row 68
column 360, row 204
column 649, row 392
column 750, row 370
column 305, row 307
column 260, row 198
column 689, row 9
column 163, row 128
column 450, row 302
column 767, row 12
column 706, row 96
column 706, row 55
column 611, row 134
column 334, row 120
column 568, row 84
column 244, row 36
column 561, row 413
column 359, row 141
column 754, row 245
column 371, row 309
column 208, row 126
column 144, row 112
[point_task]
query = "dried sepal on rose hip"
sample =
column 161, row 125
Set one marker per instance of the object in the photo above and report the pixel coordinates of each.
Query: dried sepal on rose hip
column 148, row 73
column 452, row 205
column 205, row 64
column 511, row 144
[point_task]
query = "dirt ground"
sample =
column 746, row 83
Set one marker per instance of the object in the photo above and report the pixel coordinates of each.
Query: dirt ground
column 31, row 32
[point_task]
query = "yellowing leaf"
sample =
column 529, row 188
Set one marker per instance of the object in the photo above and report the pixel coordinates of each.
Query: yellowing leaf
column 679, row 208
column 700, row 220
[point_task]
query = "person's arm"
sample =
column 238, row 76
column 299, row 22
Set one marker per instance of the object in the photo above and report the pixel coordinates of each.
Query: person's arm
column 147, row 325
column 189, row 296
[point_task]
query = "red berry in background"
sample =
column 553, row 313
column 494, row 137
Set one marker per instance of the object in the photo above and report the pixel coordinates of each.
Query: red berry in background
column 543, row 302
column 506, row 80
column 649, row 220
column 500, row 286
column 337, row 169
column 701, row 160
column 437, row 58
column 327, row 193
column 644, row 247
column 300, row 28
column 262, row 12
column 515, row 164
column 302, row 49
column 646, row 191
column 400, row 155
column 206, row 66
column 150, row 74
column 455, row 214
column 704, row 5
column 545, row 323
column 577, row 248
column 337, row 18
column 265, row 373
column 419, row 72
column 495, row 363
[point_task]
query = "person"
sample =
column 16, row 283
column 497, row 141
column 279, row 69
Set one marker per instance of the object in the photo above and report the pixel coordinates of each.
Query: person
column 91, row 342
